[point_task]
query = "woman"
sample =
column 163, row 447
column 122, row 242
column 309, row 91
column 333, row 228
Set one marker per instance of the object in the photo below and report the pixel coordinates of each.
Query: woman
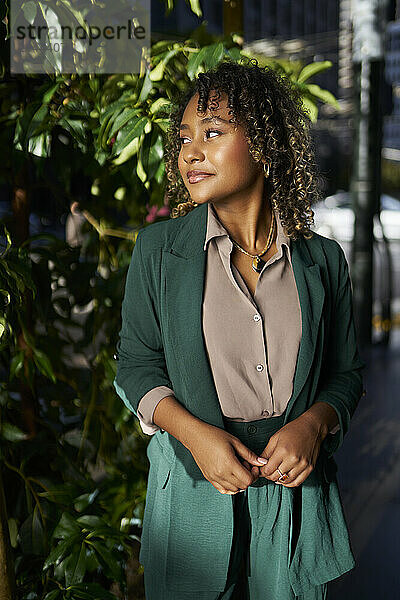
column 238, row 354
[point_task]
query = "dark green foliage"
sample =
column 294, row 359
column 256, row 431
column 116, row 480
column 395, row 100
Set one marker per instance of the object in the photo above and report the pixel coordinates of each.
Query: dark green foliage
column 72, row 456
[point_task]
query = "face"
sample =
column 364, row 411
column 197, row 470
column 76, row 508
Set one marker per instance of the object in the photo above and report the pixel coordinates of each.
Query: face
column 219, row 150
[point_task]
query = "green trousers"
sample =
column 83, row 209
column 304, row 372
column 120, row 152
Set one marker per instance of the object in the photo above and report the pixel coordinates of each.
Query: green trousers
column 260, row 553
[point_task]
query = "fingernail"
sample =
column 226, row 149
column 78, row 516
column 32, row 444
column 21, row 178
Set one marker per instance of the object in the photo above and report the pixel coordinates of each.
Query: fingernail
column 262, row 460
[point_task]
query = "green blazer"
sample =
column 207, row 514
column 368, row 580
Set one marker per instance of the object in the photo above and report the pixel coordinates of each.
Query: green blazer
column 188, row 524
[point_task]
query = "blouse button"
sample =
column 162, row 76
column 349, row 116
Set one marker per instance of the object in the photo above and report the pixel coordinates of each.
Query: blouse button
column 259, row 367
column 256, row 317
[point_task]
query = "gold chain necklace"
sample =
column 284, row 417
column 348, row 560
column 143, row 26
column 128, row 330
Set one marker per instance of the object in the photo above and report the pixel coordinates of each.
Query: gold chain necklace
column 257, row 263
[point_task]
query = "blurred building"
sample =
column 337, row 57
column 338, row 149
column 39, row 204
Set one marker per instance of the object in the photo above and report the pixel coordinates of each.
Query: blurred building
column 392, row 122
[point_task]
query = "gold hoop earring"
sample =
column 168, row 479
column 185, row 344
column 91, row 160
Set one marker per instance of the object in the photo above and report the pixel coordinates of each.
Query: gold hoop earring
column 266, row 172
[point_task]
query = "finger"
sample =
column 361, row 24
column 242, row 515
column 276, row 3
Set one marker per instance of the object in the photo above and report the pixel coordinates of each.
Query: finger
column 241, row 480
column 297, row 480
column 233, row 483
column 247, row 454
column 286, row 477
column 293, row 469
column 240, row 475
column 270, row 448
column 222, row 489
column 246, row 464
column 270, row 470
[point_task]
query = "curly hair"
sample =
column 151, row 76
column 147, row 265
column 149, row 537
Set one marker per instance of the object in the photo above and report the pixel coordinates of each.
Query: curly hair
column 270, row 110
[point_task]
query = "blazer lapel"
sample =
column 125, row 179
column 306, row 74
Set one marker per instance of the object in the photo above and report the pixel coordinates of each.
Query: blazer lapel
column 183, row 273
column 311, row 296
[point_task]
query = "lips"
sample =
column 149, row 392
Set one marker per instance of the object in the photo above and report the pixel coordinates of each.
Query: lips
column 195, row 176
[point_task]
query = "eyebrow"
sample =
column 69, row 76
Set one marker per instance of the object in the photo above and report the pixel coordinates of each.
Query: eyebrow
column 206, row 120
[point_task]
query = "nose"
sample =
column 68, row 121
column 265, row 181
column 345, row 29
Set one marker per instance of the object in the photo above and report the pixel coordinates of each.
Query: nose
column 194, row 153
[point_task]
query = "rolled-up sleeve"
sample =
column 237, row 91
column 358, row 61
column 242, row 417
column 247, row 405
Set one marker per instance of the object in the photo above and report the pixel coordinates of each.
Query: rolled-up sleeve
column 141, row 366
column 342, row 386
column 147, row 406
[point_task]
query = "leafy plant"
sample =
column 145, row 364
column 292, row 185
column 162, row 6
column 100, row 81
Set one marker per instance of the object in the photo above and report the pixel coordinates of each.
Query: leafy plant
column 72, row 456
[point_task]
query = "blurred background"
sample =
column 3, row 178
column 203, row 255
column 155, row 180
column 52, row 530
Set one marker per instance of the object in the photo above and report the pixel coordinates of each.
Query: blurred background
column 82, row 172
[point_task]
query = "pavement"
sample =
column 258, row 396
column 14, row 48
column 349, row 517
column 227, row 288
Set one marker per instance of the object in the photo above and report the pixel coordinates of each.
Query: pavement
column 369, row 482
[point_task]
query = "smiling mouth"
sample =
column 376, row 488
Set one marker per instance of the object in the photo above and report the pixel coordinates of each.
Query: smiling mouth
column 199, row 177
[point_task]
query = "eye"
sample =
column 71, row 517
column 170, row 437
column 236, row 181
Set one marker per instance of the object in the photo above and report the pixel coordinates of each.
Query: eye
column 213, row 131
column 207, row 131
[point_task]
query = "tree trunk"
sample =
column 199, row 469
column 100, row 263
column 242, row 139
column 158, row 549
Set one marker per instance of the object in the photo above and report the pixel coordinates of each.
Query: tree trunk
column 7, row 574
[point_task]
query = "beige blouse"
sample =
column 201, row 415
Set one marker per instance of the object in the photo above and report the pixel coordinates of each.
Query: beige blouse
column 252, row 344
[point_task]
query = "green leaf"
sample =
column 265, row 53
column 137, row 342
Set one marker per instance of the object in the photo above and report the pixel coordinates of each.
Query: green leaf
column 96, row 591
column 59, row 552
column 39, row 145
column 194, row 62
column 196, row 8
column 31, row 534
column 43, row 364
column 28, row 124
column 53, row 595
column 312, row 69
column 76, row 129
column 126, row 135
column 323, row 95
column 66, row 527
column 48, row 95
column 8, row 246
column 146, row 87
column 158, row 105
column 12, row 433
column 17, row 362
column 213, row 54
column 62, row 494
column 151, row 153
column 75, row 567
column 84, row 500
column 235, row 53
column 90, row 521
column 13, row 532
column 6, row 295
column 109, row 563
column 29, row 9
column 163, row 124
column 127, row 153
column 5, row 331
column 121, row 120
column 157, row 73
column 310, row 108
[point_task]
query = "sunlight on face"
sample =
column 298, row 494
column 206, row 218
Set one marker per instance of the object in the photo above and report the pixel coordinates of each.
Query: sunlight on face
column 211, row 143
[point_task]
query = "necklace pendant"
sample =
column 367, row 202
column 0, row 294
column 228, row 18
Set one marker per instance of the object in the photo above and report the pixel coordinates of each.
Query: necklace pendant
column 257, row 264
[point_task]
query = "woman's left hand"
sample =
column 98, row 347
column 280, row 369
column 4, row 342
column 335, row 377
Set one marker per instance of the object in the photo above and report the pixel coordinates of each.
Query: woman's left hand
column 294, row 449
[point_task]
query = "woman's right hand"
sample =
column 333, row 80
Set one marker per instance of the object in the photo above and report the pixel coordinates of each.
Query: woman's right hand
column 218, row 455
